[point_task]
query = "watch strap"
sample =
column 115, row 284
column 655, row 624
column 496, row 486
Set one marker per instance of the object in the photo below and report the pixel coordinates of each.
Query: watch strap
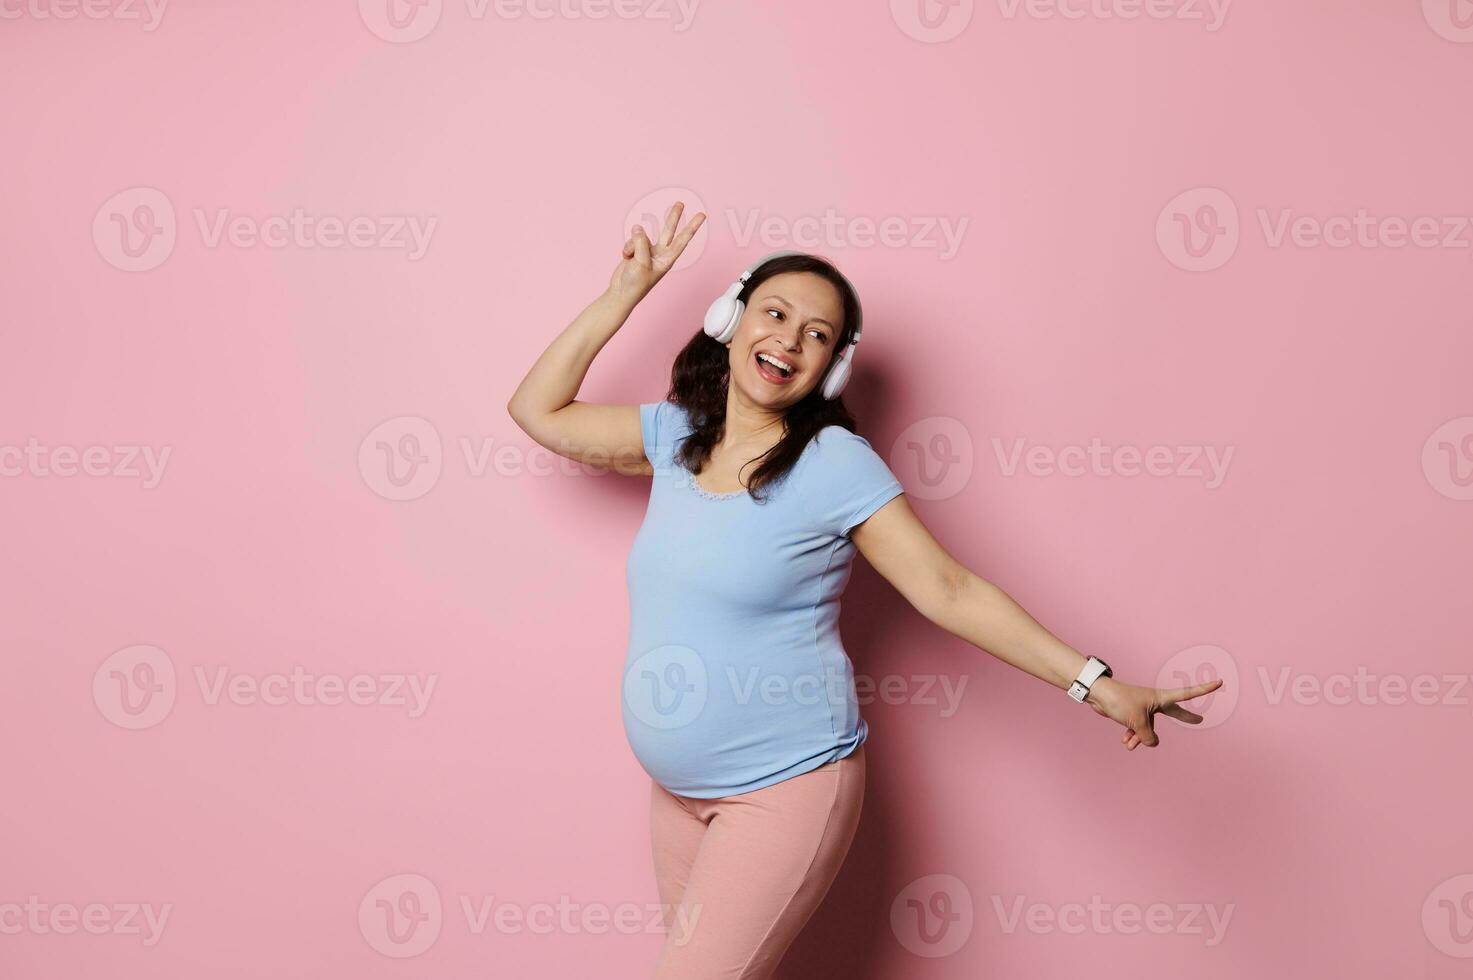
column 1094, row 668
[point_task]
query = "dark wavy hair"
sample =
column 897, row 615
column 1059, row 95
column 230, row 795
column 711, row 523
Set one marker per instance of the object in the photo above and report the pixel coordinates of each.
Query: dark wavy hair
column 702, row 373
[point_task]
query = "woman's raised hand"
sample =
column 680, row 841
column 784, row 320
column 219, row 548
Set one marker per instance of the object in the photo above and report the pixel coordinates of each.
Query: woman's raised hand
column 644, row 262
column 1135, row 707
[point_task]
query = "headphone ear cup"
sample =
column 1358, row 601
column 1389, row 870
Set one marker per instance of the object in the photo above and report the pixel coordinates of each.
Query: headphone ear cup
column 838, row 376
column 724, row 313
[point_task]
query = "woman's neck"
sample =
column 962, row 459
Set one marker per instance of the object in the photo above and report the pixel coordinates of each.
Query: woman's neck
column 752, row 425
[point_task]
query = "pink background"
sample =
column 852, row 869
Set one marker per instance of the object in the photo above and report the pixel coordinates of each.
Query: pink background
column 1335, row 835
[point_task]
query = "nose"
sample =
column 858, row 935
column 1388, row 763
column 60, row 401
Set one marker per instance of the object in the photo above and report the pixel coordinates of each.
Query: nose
column 790, row 340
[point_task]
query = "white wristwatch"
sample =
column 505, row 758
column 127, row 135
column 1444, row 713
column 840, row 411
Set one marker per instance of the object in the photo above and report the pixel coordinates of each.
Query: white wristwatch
column 1094, row 668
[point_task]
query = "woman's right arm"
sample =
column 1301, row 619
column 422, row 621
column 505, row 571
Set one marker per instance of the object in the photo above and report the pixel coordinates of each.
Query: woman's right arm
column 544, row 405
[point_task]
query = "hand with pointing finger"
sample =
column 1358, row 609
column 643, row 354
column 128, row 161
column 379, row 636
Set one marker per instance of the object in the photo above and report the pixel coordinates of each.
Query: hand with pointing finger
column 1135, row 707
column 644, row 262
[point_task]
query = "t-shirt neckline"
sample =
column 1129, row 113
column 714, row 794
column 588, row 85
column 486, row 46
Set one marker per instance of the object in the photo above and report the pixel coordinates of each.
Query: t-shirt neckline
column 700, row 491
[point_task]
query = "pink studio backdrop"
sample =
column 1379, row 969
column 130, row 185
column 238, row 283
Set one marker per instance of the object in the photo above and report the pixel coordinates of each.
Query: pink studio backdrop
column 313, row 659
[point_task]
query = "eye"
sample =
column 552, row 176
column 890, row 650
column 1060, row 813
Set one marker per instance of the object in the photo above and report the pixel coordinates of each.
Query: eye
column 823, row 338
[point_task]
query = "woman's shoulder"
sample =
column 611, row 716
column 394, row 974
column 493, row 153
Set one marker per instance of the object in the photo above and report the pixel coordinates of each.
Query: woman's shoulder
column 664, row 424
column 836, row 450
column 837, row 440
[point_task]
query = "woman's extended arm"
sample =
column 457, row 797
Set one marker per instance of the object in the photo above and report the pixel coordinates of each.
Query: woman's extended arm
column 961, row 602
column 544, row 404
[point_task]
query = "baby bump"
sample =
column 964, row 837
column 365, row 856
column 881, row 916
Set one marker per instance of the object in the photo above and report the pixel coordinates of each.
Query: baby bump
column 701, row 724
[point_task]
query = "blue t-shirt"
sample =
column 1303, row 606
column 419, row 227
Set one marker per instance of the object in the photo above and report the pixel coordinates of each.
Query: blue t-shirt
column 735, row 677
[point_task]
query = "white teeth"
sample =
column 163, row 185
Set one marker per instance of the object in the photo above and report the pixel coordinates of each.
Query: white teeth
column 779, row 365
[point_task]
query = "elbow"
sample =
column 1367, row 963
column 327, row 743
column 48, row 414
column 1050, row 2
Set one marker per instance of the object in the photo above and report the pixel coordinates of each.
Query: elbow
column 945, row 603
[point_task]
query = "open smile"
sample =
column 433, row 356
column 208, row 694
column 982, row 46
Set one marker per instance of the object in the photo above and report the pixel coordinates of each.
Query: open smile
column 771, row 372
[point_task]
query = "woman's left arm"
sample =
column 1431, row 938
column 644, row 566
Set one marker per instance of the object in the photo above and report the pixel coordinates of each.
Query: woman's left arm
column 904, row 552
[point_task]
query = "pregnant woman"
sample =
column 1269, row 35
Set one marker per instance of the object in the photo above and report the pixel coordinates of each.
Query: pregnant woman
column 739, row 697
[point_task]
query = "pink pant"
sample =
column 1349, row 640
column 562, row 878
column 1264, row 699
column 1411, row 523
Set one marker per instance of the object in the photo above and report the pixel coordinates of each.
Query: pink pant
column 739, row 876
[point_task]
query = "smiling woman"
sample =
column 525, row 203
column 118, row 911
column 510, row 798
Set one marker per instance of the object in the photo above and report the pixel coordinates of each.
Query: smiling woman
column 738, row 695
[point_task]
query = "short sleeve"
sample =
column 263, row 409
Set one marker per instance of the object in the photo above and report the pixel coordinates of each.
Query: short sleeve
column 661, row 424
column 847, row 482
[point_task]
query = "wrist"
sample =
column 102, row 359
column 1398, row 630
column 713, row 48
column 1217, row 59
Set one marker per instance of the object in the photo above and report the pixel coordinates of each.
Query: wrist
column 626, row 298
column 1101, row 692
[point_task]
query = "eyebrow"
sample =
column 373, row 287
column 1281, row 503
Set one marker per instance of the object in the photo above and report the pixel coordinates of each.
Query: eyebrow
column 812, row 319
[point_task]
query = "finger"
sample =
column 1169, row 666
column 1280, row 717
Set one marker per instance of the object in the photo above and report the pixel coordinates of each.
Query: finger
column 1187, row 693
column 1182, row 714
column 672, row 219
column 641, row 246
column 686, row 234
column 1148, row 734
column 628, row 252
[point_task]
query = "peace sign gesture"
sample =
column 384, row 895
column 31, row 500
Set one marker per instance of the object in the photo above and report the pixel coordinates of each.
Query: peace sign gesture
column 644, row 262
column 1135, row 707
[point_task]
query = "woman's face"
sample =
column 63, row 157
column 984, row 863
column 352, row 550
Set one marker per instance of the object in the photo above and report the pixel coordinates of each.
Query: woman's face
column 794, row 317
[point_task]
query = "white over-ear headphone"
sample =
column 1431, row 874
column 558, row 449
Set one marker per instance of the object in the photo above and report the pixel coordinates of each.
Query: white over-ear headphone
column 726, row 311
